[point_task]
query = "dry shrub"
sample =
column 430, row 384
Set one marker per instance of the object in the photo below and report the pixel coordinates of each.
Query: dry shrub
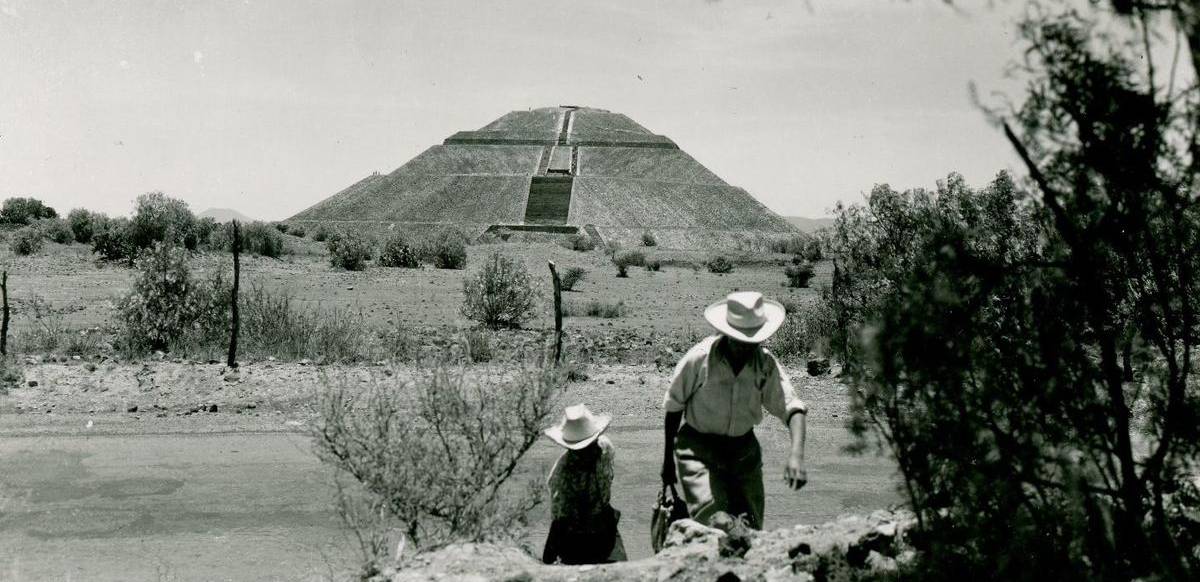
column 571, row 276
column 398, row 251
column 799, row 275
column 625, row 259
column 433, row 460
column 595, row 308
column 500, row 294
column 26, row 240
column 350, row 251
column 446, row 249
column 648, row 239
column 719, row 264
column 580, row 242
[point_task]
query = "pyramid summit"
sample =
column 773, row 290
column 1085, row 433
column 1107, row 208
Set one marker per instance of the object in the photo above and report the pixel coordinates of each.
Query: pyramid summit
column 557, row 169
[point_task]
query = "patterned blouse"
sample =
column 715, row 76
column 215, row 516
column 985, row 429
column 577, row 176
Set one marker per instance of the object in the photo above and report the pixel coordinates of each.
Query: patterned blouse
column 581, row 482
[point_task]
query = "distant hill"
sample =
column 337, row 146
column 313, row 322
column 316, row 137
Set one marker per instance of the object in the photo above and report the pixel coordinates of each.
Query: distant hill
column 809, row 224
column 224, row 215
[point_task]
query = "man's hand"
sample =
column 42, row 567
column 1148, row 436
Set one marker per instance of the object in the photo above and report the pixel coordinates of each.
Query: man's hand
column 794, row 474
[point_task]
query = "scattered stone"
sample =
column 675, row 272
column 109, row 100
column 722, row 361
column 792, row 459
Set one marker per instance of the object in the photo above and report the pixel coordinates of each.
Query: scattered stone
column 133, row 408
column 350, row 288
column 212, row 407
column 818, row 367
column 232, row 377
column 729, row 577
column 305, row 362
column 76, row 358
column 33, row 383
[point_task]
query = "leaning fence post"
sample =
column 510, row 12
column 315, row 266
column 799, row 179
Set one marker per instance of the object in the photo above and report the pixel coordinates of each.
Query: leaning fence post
column 4, row 321
column 557, row 313
column 231, row 361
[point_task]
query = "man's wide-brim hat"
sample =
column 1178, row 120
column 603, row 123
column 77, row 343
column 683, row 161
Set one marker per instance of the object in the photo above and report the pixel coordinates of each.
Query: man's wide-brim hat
column 578, row 427
column 746, row 316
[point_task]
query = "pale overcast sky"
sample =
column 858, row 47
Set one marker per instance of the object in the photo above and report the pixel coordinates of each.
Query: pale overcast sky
column 268, row 106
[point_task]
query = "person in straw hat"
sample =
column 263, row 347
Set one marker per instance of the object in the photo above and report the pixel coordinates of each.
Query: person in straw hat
column 719, row 390
column 584, row 526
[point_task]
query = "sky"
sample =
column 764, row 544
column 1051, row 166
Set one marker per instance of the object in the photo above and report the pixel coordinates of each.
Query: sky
column 269, row 106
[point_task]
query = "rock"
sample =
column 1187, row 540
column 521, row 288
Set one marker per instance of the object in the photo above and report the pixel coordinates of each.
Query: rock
column 737, row 539
column 729, row 576
column 133, row 408
column 232, row 377
column 212, row 407
column 33, row 383
column 305, row 362
column 687, row 532
column 76, row 358
column 880, row 563
column 818, row 367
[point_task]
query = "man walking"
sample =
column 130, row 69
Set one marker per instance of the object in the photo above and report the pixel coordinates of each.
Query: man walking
column 719, row 390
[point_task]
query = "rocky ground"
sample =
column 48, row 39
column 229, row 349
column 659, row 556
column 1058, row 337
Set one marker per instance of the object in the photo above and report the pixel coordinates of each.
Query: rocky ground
column 871, row 547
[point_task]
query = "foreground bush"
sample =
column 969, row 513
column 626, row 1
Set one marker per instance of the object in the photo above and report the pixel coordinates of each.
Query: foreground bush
column 162, row 304
column 398, row 251
column 446, row 249
column 26, row 241
column 500, row 294
column 350, row 251
column 435, row 459
column 25, row 211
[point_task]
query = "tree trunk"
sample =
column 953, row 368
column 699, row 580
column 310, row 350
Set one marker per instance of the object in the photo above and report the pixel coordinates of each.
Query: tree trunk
column 4, row 321
column 557, row 313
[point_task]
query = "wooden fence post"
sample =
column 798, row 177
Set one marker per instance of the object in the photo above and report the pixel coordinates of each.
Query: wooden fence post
column 557, row 313
column 4, row 321
column 231, row 361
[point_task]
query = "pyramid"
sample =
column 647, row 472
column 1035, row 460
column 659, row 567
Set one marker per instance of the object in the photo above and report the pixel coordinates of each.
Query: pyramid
column 557, row 170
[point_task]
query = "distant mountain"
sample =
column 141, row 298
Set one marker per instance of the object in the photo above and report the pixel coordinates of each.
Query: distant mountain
column 224, row 215
column 809, row 224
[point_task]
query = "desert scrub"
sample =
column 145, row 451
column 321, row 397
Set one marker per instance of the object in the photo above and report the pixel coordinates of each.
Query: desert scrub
column 26, row 240
column 596, row 308
column 434, row 459
column 648, row 239
column 111, row 240
column 162, row 304
column 477, row 345
column 296, row 230
column 653, row 265
column 323, row 233
column 398, row 251
column 258, row 238
column 350, row 251
column 571, row 276
column 160, row 218
column 719, row 264
column 83, row 224
column 625, row 259
column 500, row 294
column 580, row 242
column 24, row 211
column 446, row 249
column 799, row 274
column 56, row 230
column 44, row 330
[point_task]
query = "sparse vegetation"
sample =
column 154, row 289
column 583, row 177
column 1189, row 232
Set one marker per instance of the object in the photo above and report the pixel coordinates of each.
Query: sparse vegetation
column 296, row 230
column 719, row 264
column 571, row 276
column 160, row 218
column 258, row 238
column 648, row 239
column 164, row 303
column 398, row 251
column 350, row 251
column 323, row 233
column 110, row 240
column 653, row 265
column 500, row 294
column 596, row 308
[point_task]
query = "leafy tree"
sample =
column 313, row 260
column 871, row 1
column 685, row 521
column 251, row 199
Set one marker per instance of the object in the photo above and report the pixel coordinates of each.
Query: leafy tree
column 25, row 211
column 160, row 218
column 998, row 357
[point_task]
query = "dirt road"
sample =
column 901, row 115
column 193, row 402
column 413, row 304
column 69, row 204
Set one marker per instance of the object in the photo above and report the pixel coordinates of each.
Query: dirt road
column 256, row 505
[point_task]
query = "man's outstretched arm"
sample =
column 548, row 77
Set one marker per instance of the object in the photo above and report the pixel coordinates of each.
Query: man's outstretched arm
column 795, row 475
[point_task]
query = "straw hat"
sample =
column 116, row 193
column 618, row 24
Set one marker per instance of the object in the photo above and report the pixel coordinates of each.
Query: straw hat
column 745, row 316
column 578, row 427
